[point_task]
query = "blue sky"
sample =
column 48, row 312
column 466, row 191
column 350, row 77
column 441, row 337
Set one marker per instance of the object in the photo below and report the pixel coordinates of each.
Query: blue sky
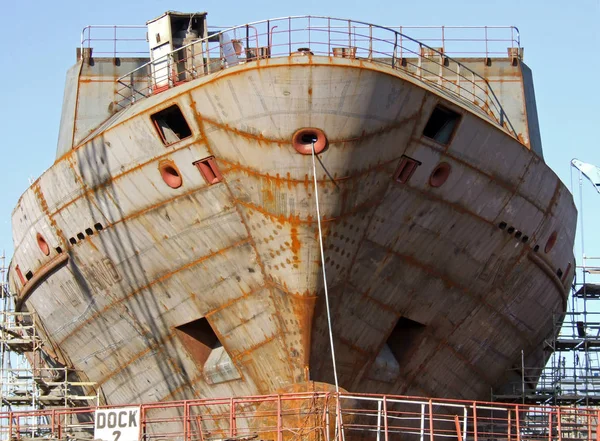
column 561, row 41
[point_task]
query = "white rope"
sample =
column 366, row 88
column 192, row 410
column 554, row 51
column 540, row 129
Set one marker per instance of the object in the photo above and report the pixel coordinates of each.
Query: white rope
column 337, row 388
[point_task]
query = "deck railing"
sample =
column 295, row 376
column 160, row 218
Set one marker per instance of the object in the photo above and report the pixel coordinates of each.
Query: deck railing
column 326, row 36
column 115, row 40
column 322, row 416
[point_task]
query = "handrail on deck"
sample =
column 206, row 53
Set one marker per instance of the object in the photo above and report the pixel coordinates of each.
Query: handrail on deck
column 326, row 36
column 322, row 416
column 110, row 40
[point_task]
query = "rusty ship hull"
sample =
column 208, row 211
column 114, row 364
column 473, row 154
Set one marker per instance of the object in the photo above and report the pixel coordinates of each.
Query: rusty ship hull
column 158, row 280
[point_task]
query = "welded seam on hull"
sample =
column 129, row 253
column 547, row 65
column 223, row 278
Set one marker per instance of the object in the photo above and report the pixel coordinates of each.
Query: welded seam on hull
column 190, row 87
column 251, row 241
column 431, row 270
column 203, row 84
column 40, row 277
column 513, row 189
column 157, row 280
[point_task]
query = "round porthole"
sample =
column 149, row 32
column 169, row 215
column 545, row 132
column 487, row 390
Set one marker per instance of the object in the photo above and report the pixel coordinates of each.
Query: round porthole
column 551, row 242
column 170, row 174
column 303, row 140
column 42, row 244
column 439, row 175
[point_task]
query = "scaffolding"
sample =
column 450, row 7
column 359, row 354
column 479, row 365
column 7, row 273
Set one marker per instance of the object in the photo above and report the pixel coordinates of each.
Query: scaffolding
column 572, row 374
column 30, row 379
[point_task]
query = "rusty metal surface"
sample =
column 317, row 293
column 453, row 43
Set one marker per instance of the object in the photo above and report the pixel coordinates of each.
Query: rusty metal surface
column 243, row 253
column 329, row 36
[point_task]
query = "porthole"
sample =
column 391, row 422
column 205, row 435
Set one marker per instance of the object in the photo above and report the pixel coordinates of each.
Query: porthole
column 42, row 244
column 439, row 175
column 551, row 242
column 170, row 174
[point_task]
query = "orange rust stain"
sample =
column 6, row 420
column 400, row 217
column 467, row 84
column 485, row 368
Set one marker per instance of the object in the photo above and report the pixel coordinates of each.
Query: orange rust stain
column 239, row 355
column 304, row 310
column 158, row 346
column 295, row 241
column 268, row 195
column 235, row 300
column 162, row 278
column 37, row 191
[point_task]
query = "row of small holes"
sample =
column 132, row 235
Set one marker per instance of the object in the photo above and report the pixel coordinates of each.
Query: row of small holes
column 518, row 234
column 43, row 245
column 549, row 245
column 81, row 236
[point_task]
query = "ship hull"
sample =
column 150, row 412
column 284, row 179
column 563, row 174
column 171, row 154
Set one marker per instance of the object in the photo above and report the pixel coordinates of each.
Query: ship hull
column 432, row 291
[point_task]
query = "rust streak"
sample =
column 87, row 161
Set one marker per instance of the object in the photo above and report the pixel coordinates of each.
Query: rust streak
column 241, row 354
column 251, row 240
column 162, row 278
column 511, row 188
column 279, row 181
column 113, row 179
column 453, row 283
column 158, row 346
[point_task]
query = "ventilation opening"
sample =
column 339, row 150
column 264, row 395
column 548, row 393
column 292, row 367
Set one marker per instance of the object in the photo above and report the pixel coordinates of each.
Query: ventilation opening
column 29, row 275
column 72, row 240
column 405, row 170
column 89, row 231
column 209, row 170
column 441, row 125
column 199, row 339
column 171, row 125
column 551, row 242
column 98, row 227
column 80, row 236
column 170, row 174
column 439, row 175
column 405, row 338
column 42, row 244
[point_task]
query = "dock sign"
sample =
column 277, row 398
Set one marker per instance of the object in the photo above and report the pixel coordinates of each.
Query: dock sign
column 117, row 424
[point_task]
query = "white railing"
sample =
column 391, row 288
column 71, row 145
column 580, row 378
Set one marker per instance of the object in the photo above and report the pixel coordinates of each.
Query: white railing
column 326, row 36
column 115, row 40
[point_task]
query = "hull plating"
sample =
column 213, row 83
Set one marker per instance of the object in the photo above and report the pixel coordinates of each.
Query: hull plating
column 429, row 295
